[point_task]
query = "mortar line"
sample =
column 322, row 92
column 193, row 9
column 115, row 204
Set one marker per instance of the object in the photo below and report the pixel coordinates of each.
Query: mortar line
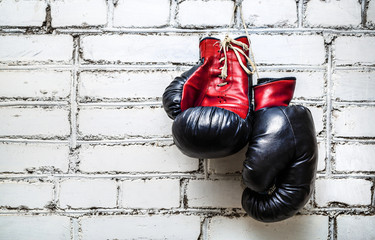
column 126, row 141
column 74, row 107
column 204, row 228
column 332, row 228
column 33, row 103
column 373, row 193
column 173, row 10
column 119, row 193
column 329, row 112
column 75, row 226
column 363, row 13
column 74, row 212
column 21, row 140
column 146, row 66
column 121, row 104
column 176, row 30
column 110, row 15
column 300, row 13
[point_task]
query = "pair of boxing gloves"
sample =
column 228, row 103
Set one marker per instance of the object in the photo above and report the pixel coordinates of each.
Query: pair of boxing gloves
column 213, row 117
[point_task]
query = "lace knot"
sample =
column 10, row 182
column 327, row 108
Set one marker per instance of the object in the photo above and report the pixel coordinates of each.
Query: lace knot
column 228, row 44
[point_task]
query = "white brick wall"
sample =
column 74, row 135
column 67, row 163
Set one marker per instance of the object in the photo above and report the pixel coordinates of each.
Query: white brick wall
column 346, row 191
column 354, row 86
column 347, row 49
column 371, row 13
column 146, row 13
column 353, row 157
column 295, row 49
column 86, row 150
column 22, row 13
column 35, row 84
column 136, row 48
column 141, row 227
column 354, row 122
column 343, row 13
column 45, row 122
column 57, row 48
column 117, row 123
column 78, row 13
column 115, row 85
column 23, row 157
column 29, row 195
column 300, row 227
column 216, row 13
column 34, row 227
column 158, row 193
column 220, row 194
column 139, row 158
column 88, row 193
column 270, row 13
column 355, row 227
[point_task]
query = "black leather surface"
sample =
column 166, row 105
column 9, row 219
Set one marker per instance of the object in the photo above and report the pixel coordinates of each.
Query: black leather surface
column 282, row 154
column 210, row 132
column 204, row 132
column 173, row 93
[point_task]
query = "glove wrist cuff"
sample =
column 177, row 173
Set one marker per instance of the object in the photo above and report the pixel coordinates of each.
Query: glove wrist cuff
column 273, row 92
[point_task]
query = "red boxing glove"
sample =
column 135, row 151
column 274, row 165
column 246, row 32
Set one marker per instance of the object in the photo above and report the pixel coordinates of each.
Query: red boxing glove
column 211, row 103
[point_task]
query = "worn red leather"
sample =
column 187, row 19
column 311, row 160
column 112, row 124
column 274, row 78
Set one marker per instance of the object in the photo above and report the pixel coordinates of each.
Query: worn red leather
column 273, row 94
column 206, row 88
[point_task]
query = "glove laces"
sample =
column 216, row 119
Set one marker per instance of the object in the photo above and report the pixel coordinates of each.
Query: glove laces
column 228, row 44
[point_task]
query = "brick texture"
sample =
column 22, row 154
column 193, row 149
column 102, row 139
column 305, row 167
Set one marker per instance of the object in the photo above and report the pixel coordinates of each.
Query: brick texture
column 86, row 148
column 157, row 227
column 22, row 13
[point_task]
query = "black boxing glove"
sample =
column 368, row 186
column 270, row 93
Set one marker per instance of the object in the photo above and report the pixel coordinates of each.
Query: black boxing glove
column 211, row 108
column 280, row 166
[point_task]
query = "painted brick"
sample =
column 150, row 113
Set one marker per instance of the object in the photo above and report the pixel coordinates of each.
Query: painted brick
column 295, row 228
column 141, row 227
column 346, row 191
column 137, row 48
column 353, row 157
column 354, row 122
column 30, row 195
column 343, row 13
column 134, row 13
column 26, row 157
column 219, row 194
column 353, row 86
column 124, row 122
column 34, row 227
column 36, row 48
column 34, row 121
column 22, row 13
column 78, row 13
column 347, row 49
column 270, row 12
column 309, row 85
column 317, row 114
column 120, row 85
column 139, row 158
column 216, row 13
column 321, row 156
column 294, row 49
column 87, row 193
column 160, row 193
column 355, row 227
column 371, row 13
column 35, row 84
